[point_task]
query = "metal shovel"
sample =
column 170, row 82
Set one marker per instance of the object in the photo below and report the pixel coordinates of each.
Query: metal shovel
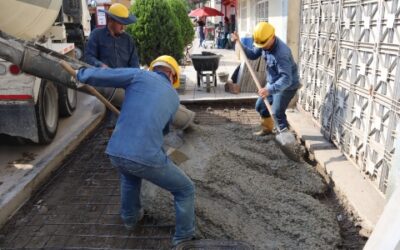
column 285, row 139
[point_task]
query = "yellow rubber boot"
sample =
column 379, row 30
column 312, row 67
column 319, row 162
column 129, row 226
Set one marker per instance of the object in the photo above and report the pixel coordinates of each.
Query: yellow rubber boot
column 267, row 126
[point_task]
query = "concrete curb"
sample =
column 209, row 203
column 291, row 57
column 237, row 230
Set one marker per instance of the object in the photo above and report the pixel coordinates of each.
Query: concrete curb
column 45, row 164
column 363, row 198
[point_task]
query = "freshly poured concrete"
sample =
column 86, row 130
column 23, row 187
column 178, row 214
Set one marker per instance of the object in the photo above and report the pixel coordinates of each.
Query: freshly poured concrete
column 248, row 190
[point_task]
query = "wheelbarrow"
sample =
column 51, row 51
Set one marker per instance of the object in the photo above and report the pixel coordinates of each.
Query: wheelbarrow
column 206, row 65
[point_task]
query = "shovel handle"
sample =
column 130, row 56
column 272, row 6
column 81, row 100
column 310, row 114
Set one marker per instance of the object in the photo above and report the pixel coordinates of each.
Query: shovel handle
column 257, row 82
column 68, row 68
column 89, row 89
column 99, row 96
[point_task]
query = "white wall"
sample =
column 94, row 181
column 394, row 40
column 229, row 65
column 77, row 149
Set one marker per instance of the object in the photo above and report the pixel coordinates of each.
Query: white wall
column 278, row 12
column 247, row 29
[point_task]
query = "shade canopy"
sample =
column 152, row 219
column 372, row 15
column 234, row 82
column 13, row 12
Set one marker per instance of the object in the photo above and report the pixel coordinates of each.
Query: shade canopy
column 205, row 11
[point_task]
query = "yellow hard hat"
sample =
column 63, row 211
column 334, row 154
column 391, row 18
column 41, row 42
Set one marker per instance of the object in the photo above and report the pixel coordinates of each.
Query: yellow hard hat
column 120, row 13
column 262, row 33
column 170, row 62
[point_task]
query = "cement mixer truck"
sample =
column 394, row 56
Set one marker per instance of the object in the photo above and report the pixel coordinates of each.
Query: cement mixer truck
column 30, row 106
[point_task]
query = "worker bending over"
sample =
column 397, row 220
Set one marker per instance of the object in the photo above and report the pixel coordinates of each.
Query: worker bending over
column 136, row 145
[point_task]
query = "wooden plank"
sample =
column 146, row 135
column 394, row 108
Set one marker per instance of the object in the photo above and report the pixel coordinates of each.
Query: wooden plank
column 245, row 80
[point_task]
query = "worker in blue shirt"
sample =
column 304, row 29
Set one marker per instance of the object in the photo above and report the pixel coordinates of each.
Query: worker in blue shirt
column 282, row 76
column 136, row 145
column 110, row 46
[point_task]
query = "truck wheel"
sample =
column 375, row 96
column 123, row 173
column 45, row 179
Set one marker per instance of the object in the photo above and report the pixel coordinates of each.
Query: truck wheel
column 67, row 100
column 47, row 112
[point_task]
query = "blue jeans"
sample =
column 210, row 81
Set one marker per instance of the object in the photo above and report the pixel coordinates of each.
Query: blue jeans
column 168, row 177
column 279, row 103
column 202, row 38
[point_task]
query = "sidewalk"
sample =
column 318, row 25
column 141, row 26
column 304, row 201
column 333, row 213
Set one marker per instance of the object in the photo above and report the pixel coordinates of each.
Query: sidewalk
column 228, row 62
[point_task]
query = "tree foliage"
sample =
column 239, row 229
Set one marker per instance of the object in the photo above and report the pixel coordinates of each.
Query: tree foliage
column 156, row 31
column 181, row 8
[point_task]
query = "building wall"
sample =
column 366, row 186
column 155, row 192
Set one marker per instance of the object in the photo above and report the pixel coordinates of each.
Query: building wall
column 216, row 4
column 349, row 67
column 277, row 16
column 293, row 27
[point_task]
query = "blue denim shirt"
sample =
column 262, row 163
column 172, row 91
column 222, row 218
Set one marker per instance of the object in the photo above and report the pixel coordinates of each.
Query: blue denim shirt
column 149, row 106
column 115, row 52
column 281, row 68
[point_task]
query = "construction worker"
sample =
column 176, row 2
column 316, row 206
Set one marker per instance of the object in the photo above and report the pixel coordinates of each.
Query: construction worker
column 136, row 145
column 282, row 76
column 110, row 46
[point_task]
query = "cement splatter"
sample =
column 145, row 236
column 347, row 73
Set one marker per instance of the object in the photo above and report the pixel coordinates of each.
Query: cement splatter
column 247, row 189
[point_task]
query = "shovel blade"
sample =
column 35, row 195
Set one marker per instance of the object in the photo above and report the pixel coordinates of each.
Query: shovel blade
column 288, row 144
column 178, row 157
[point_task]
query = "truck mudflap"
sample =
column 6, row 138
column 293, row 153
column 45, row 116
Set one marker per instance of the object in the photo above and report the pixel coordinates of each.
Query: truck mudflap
column 42, row 62
column 24, row 120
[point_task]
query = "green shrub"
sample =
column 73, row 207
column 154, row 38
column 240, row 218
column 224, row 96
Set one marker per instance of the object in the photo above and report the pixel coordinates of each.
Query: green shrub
column 156, row 31
column 181, row 9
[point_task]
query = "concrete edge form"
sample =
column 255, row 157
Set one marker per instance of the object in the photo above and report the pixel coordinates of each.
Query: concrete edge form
column 360, row 194
column 16, row 197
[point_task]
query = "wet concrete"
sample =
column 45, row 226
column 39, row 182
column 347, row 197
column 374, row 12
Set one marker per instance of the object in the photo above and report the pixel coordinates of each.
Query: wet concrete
column 246, row 190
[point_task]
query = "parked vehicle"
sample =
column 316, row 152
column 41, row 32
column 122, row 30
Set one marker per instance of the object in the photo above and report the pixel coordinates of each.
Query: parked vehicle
column 29, row 106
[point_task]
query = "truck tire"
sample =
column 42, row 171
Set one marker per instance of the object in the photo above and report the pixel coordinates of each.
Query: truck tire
column 67, row 100
column 47, row 112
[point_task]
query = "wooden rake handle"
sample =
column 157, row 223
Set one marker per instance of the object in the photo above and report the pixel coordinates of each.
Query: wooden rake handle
column 257, row 82
column 89, row 89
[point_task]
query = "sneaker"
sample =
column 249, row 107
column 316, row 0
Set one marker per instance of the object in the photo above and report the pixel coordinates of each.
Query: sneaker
column 132, row 226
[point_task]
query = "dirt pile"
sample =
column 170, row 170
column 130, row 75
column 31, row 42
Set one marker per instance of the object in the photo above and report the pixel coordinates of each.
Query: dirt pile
column 247, row 189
